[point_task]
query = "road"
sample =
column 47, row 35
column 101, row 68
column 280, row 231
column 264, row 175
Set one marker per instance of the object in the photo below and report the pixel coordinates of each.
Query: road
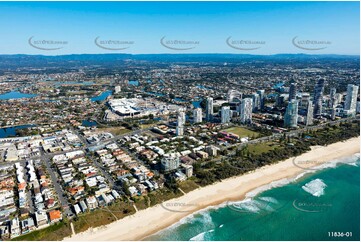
column 105, row 173
column 97, row 164
column 58, row 189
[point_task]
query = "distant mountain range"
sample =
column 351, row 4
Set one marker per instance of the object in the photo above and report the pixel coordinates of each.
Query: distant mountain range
column 168, row 56
column 9, row 62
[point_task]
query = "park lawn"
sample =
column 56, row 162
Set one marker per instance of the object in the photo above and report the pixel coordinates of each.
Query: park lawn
column 53, row 232
column 115, row 130
column 145, row 126
column 242, row 132
column 262, row 147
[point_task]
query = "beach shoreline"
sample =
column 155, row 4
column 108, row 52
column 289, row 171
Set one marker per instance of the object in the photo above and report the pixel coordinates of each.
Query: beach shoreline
column 151, row 220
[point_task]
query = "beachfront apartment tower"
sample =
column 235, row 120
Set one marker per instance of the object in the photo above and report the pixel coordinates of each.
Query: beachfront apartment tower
column 197, row 115
column 246, row 111
column 209, row 109
column 305, row 98
column 309, row 115
column 293, row 90
column 332, row 102
column 226, row 114
column 261, row 98
column 318, row 97
column 256, row 102
column 351, row 99
column 291, row 114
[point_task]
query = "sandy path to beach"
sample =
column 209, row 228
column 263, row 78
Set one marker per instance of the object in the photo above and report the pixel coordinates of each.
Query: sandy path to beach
column 151, row 220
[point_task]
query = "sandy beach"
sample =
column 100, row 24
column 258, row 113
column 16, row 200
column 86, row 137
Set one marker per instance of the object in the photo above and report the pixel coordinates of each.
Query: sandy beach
column 151, row 220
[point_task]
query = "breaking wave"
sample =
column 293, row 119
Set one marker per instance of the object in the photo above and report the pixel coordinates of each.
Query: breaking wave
column 203, row 236
column 315, row 187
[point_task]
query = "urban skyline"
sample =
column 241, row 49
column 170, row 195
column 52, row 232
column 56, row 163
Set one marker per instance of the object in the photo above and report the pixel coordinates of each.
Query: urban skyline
column 179, row 121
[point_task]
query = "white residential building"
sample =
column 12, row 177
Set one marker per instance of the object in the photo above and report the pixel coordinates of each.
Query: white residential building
column 209, row 109
column 197, row 115
column 309, row 116
column 246, row 110
column 226, row 114
column 351, row 99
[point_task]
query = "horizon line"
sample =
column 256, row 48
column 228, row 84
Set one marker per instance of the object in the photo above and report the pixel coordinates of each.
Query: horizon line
column 210, row 53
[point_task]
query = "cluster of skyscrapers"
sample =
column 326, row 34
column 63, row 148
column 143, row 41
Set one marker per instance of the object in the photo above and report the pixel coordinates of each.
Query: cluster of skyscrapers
column 244, row 108
column 315, row 108
column 310, row 109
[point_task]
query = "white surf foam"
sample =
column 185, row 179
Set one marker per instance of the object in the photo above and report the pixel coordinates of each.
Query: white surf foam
column 200, row 216
column 198, row 237
column 315, row 187
column 269, row 199
column 202, row 236
column 203, row 216
column 253, row 205
column 353, row 164
column 247, row 205
column 274, row 184
column 350, row 160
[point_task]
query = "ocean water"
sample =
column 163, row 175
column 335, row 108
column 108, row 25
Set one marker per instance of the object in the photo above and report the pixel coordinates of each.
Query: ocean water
column 308, row 207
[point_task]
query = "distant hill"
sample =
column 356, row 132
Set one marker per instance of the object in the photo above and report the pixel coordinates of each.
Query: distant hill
column 11, row 62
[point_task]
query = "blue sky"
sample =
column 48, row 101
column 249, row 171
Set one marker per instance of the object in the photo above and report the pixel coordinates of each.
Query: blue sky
column 272, row 25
